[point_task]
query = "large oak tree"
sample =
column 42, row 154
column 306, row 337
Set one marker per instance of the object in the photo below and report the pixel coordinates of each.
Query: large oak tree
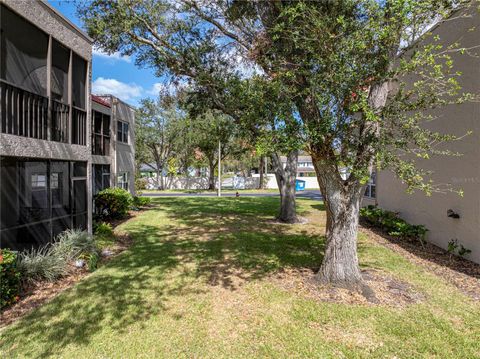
column 360, row 81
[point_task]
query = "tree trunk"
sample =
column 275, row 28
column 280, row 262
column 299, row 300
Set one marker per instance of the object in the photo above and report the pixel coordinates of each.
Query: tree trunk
column 342, row 202
column 261, row 168
column 211, row 175
column 159, row 178
column 286, row 184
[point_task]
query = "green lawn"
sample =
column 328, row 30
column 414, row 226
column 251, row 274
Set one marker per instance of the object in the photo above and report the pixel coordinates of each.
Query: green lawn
column 197, row 283
column 224, row 190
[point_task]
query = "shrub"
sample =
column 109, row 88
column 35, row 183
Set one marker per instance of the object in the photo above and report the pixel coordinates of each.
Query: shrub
column 44, row 263
column 9, row 278
column 457, row 248
column 141, row 201
column 113, row 203
column 103, row 229
column 51, row 261
column 140, row 184
column 391, row 223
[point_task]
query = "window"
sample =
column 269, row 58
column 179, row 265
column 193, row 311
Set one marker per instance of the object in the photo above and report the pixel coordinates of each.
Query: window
column 39, row 181
column 100, row 133
column 79, row 79
column 122, row 131
column 123, row 180
column 101, row 177
column 371, row 190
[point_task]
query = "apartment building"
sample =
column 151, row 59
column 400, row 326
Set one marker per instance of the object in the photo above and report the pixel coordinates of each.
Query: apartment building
column 45, row 111
column 113, row 144
column 45, row 66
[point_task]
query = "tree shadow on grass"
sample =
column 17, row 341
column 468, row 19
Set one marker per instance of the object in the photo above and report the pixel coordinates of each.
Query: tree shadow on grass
column 208, row 243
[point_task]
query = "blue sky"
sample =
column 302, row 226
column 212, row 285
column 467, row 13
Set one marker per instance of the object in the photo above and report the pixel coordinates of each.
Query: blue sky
column 114, row 74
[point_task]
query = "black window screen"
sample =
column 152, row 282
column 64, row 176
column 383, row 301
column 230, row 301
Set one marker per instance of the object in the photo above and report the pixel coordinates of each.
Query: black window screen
column 100, row 133
column 101, row 177
column 24, row 50
column 79, row 169
column 79, row 78
column 39, row 199
column 79, row 196
column 60, row 188
column 60, row 62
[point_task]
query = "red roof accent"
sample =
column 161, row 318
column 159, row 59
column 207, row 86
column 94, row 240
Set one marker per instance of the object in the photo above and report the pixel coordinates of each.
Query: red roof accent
column 101, row 101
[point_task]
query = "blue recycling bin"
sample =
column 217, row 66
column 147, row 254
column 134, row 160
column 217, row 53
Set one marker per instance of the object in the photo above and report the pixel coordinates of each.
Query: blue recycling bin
column 299, row 185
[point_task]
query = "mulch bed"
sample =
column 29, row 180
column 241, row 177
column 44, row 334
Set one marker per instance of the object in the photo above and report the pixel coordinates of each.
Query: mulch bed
column 37, row 294
column 384, row 289
column 462, row 273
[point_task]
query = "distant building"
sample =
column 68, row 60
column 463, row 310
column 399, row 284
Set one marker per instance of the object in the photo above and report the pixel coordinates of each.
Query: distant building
column 304, row 166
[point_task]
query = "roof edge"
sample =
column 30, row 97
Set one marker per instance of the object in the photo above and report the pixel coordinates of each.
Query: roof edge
column 66, row 20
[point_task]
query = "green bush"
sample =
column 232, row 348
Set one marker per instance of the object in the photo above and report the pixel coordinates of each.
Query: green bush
column 140, row 184
column 113, row 203
column 141, row 201
column 9, row 278
column 51, row 261
column 392, row 224
column 103, row 229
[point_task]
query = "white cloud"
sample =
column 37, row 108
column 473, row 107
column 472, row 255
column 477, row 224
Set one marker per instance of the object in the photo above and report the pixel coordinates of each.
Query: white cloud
column 116, row 56
column 122, row 90
column 166, row 88
column 157, row 88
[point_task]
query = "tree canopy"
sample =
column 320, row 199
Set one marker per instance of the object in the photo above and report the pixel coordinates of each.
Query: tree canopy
column 355, row 79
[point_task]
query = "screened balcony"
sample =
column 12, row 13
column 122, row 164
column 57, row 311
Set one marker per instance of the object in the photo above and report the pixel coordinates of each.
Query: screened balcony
column 100, row 133
column 42, row 84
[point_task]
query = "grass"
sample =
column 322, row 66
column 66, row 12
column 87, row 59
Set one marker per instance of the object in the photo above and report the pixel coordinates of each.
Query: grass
column 195, row 191
column 196, row 284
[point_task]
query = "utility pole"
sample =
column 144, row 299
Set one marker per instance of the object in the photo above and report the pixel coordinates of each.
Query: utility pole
column 266, row 172
column 219, row 169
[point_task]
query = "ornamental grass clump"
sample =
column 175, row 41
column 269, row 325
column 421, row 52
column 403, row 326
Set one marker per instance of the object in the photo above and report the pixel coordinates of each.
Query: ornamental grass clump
column 52, row 261
column 42, row 264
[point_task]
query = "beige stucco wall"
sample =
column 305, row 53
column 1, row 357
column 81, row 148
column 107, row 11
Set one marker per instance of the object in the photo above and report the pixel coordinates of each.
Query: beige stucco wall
column 53, row 23
column 125, row 152
column 461, row 172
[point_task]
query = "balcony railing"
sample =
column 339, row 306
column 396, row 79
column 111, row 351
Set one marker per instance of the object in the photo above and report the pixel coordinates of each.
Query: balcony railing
column 23, row 113
column 60, row 117
column 79, row 126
